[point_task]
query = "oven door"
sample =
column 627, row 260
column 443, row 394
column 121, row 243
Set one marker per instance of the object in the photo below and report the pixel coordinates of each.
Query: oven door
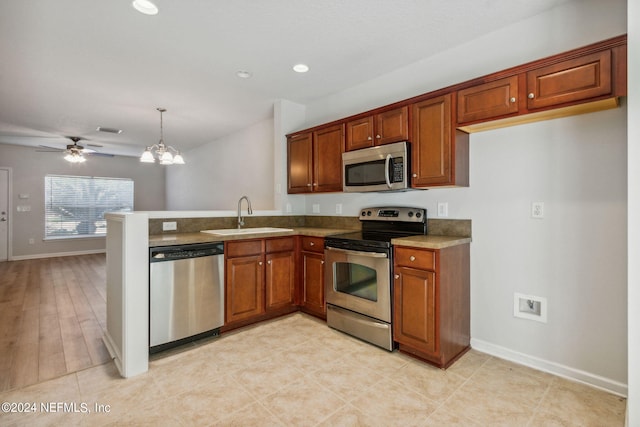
column 359, row 281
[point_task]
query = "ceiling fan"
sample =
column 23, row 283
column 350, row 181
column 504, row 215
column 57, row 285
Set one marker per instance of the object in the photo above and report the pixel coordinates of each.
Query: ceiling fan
column 75, row 153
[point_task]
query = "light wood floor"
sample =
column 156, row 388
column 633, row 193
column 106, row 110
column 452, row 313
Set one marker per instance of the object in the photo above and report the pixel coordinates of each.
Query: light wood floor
column 52, row 318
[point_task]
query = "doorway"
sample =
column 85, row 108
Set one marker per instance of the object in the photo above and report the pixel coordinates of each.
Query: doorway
column 5, row 175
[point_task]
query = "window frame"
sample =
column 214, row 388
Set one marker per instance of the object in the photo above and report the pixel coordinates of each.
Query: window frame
column 85, row 185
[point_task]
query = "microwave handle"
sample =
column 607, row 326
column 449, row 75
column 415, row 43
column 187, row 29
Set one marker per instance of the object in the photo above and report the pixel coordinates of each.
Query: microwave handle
column 386, row 170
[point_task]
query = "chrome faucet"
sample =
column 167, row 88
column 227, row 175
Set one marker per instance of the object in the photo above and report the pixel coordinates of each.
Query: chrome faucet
column 249, row 211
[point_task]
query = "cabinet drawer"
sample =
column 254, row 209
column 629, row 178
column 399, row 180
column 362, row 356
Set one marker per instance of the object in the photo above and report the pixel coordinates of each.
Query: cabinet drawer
column 279, row 244
column 415, row 258
column 243, row 248
column 313, row 244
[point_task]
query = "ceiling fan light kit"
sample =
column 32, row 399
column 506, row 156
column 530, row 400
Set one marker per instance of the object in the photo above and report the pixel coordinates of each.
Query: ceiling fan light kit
column 162, row 151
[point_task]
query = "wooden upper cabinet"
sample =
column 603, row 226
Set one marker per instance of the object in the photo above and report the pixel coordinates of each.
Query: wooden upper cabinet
column 488, row 100
column 328, row 145
column 439, row 152
column 570, row 81
column 382, row 128
column 300, row 163
column 314, row 160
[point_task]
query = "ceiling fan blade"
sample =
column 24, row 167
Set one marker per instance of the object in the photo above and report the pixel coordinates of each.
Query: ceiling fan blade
column 50, row 148
column 95, row 153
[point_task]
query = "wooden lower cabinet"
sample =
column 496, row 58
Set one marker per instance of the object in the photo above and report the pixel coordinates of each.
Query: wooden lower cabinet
column 280, row 274
column 312, row 276
column 432, row 302
column 259, row 279
column 244, row 284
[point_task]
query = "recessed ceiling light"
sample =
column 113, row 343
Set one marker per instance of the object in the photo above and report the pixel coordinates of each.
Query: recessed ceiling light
column 301, row 68
column 243, row 74
column 145, row 6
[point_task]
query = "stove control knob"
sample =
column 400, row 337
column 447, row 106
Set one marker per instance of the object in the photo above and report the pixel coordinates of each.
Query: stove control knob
column 368, row 213
column 410, row 214
column 418, row 214
column 364, row 213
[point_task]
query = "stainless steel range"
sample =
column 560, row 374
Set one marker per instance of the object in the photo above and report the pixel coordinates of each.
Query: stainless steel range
column 358, row 269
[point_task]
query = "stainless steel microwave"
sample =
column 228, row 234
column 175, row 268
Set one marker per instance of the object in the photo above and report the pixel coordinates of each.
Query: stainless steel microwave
column 381, row 168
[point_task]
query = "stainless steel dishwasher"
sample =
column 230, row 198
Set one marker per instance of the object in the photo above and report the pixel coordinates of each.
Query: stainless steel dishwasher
column 186, row 293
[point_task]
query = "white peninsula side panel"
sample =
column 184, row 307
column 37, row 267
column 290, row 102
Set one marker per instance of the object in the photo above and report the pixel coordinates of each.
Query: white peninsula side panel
column 127, row 336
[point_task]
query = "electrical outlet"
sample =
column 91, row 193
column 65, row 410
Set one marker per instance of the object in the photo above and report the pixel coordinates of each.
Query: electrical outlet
column 537, row 210
column 289, row 208
column 169, row 226
column 338, row 208
column 31, row 241
column 315, row 208
column 443, row 209
column 530, row 307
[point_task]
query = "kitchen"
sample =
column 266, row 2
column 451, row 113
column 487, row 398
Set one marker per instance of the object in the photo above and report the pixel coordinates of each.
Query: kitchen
column 498, row 199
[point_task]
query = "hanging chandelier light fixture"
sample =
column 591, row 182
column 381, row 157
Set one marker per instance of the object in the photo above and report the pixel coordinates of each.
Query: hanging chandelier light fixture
column 74, row 153
column 162, row 152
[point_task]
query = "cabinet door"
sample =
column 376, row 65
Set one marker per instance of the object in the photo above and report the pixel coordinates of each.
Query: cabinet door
column 415, row 300
column 313, row 282
column 392, row 126
column 574, row 80
column 244, row 288
column 279, row 279
column 431, row 142
column 489, row 100
column 299, row 163
column 328, row 145
column 359, row 134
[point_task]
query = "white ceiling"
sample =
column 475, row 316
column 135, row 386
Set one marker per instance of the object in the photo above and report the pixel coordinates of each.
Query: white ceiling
column 69, row 66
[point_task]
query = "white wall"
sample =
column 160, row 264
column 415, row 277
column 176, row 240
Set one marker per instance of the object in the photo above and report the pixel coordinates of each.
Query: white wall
column 29, row 168
column 633, row 402
column 576, row 256
column 219, row 173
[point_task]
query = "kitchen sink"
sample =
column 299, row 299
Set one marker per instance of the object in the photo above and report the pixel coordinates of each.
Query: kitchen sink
column 240, row 231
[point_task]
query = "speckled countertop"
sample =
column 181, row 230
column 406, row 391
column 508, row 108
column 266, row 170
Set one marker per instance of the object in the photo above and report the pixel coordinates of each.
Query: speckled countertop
column 428, row 242
column 198, row 237
column 431, row 242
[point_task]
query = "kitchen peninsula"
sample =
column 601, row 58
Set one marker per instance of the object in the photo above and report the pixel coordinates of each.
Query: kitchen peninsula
column 130, row 235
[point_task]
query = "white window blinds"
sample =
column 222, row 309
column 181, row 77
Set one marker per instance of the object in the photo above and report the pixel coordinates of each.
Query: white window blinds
column 75, row 205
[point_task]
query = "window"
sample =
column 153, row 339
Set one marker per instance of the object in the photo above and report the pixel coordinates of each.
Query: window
column 75, row 205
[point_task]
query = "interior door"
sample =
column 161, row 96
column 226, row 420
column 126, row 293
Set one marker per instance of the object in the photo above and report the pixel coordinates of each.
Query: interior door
column 4, row 214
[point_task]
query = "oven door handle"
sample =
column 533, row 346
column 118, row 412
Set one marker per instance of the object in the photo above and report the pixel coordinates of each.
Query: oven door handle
column 386, row 170
column 359, row 253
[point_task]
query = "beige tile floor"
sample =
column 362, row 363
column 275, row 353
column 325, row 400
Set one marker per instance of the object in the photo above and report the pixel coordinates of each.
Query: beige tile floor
column 295, row 371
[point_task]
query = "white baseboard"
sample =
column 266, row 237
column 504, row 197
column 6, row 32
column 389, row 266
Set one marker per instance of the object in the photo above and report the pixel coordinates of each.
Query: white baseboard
column 57, row 254
column 568, row 372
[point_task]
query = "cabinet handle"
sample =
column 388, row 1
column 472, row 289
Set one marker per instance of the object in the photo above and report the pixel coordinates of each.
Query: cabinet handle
column 396, row 276
column 412, row 258
column 378, row 136
column 531, row 95
column 513, row 99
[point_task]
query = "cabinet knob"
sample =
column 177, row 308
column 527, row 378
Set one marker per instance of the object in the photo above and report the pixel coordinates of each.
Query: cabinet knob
column 415, row 175
column 312, row 244
column 396, row 276
column 259, row 262
column 412, row 258
column 315, row 184
column 309, row 185
column 378, row 136
column 321, row 262
column 513, row 99
column 531, row 95
column 369, row 138
column 269, row 262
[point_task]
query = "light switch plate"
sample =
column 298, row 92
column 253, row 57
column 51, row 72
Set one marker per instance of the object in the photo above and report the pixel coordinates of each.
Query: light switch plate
column 443, row 209
column 315, row 208
column 537, row 210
